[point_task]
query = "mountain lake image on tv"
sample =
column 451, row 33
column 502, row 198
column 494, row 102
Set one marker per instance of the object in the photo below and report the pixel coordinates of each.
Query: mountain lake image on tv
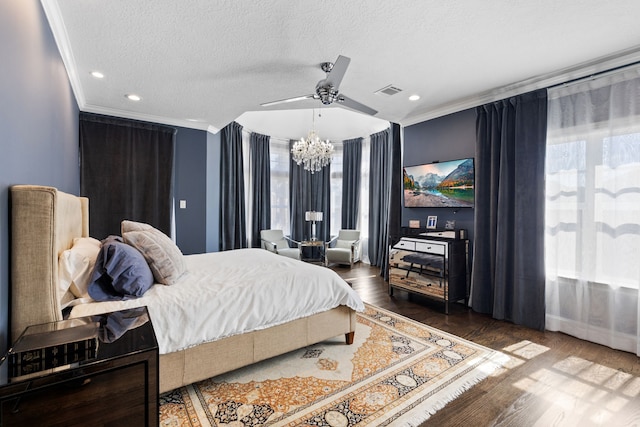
column 439, row 185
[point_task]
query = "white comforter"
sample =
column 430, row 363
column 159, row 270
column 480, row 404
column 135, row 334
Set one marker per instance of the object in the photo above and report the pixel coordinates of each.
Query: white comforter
column 233, row 292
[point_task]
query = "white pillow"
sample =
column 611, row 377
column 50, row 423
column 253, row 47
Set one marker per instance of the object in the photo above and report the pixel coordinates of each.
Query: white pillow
column 163, row 256
column 75, row 266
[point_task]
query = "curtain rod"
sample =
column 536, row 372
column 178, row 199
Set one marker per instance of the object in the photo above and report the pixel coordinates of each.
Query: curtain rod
column 595, row 75
column 277, row 138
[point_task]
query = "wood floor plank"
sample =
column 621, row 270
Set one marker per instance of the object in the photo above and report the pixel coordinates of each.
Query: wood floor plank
column 551, row 379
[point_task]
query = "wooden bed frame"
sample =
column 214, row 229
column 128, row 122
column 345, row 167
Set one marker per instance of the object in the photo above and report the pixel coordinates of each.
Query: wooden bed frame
column 44, row 222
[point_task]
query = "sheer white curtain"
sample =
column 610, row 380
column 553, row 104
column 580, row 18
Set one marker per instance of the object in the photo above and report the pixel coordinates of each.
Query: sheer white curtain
column 336, row 194
column 336, row 188
column 279, row 152
column 592, row 240
column 246, row 169
column 363, row 221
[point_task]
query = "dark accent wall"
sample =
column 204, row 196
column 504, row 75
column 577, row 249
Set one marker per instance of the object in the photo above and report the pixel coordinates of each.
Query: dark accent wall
column 450, row 137
column 38, row 120
column 190, row 185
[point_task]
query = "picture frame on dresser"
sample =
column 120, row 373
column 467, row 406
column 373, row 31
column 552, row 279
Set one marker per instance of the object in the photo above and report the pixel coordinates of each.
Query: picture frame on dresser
column 432, row 221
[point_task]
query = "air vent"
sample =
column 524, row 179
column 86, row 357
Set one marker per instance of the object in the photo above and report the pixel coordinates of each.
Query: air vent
column 389, row 90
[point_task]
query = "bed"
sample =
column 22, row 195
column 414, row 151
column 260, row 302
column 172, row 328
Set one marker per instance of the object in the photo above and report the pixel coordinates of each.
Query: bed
column 44, row 224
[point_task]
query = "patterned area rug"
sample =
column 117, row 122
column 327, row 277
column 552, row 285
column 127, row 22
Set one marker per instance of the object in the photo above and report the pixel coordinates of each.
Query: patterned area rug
column 397, row 372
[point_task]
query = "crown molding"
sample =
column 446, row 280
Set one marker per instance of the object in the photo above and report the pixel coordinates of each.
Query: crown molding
column 54, row 16
column 584, row 70
column 148, row 118
column 60, row 35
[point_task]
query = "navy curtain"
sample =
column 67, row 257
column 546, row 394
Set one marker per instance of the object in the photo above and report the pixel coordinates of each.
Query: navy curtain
column 351, row 173
column 395, row 193
column 233, row 232
column 309, row 192
column 126, row 171
column 379, row 187
column 508, row 262
column 261, row 185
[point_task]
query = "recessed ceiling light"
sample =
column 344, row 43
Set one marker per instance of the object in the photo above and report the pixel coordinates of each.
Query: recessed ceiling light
column 133, row 97
column 97, row 74
column 414, row 97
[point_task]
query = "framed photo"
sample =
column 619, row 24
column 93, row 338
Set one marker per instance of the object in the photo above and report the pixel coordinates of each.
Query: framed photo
column 450, row 224
column 432, row 221
column 414, row 223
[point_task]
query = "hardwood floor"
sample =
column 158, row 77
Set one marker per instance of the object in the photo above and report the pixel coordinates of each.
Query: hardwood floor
column 551, row 379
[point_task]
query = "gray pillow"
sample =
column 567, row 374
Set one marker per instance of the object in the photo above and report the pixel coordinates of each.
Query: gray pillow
column 163, row 256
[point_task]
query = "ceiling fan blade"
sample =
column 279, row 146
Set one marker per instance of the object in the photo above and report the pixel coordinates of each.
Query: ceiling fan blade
column 284, row 101
column 355, row 105
column 334, row 77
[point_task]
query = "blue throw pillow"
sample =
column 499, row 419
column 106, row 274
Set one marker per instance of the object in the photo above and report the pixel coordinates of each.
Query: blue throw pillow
column 120, row 272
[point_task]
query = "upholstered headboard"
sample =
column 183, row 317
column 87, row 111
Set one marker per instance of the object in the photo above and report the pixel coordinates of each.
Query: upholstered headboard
column 44, row 222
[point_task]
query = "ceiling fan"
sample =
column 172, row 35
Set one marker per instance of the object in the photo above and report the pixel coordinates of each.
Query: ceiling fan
column 327, row 89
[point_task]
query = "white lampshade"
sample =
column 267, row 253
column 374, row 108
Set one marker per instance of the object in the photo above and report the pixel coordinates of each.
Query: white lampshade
column 313, row 216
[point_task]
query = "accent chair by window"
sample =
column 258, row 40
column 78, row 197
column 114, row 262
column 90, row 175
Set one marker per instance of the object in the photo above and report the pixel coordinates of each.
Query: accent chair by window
column 346, row 249
column 276, row 242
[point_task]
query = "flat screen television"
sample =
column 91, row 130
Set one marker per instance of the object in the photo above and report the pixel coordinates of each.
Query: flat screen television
column 440, row 184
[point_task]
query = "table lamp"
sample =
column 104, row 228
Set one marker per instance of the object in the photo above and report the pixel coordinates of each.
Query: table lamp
column 313, row 216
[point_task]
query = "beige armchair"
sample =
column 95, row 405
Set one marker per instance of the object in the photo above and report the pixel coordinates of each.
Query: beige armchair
column 346, row 249
column 275, row 241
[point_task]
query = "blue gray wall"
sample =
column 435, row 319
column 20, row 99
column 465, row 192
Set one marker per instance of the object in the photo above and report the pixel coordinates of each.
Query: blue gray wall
column 190, row 185
column 449, row 137
column 197, row 181
column 38, row 119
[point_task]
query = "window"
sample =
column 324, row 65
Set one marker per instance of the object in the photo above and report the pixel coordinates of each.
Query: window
column 592, row 211
column 280, row 219
column 593, row 208
column 336, row 188
column 280, row 202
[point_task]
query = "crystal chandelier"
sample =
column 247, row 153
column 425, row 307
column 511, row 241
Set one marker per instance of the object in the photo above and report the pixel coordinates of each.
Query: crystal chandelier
column 312, row 152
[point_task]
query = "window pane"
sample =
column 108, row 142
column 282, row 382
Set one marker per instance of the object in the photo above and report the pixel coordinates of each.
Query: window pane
column 279, row 150
column 336, row 188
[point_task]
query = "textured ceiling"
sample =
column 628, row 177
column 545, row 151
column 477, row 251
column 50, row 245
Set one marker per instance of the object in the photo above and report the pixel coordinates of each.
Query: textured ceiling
column 203, row 63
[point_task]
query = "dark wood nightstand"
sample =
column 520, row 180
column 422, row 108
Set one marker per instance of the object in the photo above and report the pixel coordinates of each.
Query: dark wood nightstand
column 98, row 370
